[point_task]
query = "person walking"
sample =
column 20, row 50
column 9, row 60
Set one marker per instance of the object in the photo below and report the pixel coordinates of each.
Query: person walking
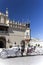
column 22, row 47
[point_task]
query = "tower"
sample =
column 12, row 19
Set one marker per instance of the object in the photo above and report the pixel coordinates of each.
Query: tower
column 27, row 33
column 7, row 20
column 7, row 12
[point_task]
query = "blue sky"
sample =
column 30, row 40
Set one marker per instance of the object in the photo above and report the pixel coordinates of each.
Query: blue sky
column 26, row 10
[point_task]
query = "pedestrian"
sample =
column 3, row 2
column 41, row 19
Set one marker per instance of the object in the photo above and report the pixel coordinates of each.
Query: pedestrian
column 22, row 47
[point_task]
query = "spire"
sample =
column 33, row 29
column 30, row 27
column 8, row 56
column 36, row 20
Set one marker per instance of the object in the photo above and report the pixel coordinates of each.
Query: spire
column 7, row 12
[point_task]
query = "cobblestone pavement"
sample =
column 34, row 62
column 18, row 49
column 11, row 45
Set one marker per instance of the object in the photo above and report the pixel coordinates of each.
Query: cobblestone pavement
column 29, row 60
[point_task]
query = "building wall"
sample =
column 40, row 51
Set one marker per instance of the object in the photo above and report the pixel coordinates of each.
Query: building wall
column 16, row 36
column 16, row 31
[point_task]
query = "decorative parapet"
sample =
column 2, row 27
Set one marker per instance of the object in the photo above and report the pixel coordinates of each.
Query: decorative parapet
column 18, row 25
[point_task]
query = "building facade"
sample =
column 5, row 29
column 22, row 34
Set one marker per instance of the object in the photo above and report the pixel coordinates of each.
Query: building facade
column 11, row 31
